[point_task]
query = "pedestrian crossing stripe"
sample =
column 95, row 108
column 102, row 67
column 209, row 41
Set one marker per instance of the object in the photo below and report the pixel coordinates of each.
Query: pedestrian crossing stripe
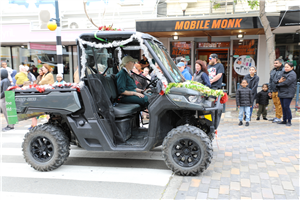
column 155, row 177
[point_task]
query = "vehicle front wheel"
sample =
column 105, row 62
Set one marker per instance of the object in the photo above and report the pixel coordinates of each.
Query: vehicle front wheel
column 46, row 147
column 187, row 150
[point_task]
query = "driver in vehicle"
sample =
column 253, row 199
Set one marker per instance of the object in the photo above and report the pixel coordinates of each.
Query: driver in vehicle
column 126, row 84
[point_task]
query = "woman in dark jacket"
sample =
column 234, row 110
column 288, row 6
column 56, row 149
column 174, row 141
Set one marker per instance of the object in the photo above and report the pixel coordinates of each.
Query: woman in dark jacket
column 286, row 92
column 252, row 80
column 201, row 74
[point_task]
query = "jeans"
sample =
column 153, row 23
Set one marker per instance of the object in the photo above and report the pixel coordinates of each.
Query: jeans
column 285, row 104
column 244, row 109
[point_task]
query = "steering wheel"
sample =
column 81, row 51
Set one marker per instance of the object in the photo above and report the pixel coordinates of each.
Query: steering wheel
column 151, row 83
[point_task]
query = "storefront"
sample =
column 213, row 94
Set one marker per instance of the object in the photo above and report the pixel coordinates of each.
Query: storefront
column 239, row 42
column 34, row 48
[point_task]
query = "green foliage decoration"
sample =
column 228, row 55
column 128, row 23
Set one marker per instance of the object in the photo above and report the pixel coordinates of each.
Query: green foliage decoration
column 193, row 85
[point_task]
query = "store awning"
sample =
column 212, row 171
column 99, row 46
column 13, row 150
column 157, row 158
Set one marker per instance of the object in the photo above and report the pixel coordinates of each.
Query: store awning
column 213, row 25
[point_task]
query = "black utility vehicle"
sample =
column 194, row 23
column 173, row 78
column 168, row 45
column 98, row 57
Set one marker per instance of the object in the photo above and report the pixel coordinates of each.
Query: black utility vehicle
column 183, row 122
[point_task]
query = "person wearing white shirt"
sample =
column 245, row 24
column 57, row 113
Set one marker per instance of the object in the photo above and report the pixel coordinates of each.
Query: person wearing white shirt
column 9, row 70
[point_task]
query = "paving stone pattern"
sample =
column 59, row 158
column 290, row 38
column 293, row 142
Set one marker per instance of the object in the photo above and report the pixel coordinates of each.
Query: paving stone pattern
column 256, row 162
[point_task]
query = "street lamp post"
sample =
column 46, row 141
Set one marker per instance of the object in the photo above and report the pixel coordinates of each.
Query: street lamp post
column 60, row 68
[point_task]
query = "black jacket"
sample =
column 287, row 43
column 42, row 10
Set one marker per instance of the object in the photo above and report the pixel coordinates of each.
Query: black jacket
column 140, row 82
column 244, row 97
column 252, row 84
column 5, row 83
column 262, row 98
column 275, row 75
column 287, row 88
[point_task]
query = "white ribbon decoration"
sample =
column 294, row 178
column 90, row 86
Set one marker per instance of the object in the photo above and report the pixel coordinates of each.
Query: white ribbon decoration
column 117, row 44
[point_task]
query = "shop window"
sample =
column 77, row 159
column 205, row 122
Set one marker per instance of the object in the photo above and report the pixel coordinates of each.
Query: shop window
column 35, row 58
column 5, row 56
column 244, row 56
column 181, row 50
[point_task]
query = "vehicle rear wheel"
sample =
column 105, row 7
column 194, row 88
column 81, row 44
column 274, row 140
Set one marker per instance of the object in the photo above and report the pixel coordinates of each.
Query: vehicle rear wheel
column 187, row 150
column 46, row 147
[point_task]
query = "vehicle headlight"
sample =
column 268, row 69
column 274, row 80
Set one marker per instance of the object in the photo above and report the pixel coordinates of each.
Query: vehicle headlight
column 194, row 99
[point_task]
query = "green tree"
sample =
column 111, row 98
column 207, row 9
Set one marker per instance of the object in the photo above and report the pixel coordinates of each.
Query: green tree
column 270, row 39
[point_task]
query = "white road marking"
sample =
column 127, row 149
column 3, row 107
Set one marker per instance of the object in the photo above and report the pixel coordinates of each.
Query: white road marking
column 18, row 196
column 155, row 177
column 81, row 153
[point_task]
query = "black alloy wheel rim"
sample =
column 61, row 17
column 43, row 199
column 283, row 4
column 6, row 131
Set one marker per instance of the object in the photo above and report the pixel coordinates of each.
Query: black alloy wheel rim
column 41, row 149
column 186, row 152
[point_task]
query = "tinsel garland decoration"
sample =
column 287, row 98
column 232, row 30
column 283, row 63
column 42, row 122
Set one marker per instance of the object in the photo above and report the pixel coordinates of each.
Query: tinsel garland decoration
column 42, row 88
column 193, row 85
column 118, row 44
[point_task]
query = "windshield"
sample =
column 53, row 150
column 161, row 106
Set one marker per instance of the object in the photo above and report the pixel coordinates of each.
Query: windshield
column 168, row 63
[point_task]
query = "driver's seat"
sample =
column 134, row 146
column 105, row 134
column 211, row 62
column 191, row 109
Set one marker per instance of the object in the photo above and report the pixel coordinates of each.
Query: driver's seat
column 120, row 109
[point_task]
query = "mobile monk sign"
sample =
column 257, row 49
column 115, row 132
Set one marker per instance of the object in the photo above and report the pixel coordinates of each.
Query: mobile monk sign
column 198, row 24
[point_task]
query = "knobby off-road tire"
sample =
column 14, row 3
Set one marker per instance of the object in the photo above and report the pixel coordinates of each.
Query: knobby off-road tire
column 46, row 147
column 187, row 150
column 211, row 136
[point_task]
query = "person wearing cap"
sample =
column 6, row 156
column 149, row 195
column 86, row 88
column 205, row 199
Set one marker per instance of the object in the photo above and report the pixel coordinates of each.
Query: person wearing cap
column 184, row 71
column 252, row 80
column 59, row 79
column 184, row 60
column 144, row 62
column 126, row 84
column 216, row 71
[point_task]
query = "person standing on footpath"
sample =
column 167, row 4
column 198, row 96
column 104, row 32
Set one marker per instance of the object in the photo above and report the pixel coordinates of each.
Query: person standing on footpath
column 184, row 71
column 252, row 80
column 262, row 100
column 5, row 83
column 244, row 102
column 201, row 74
column 8, row 69
column 275, row 75
column 185, row 61
column 216, row 71
column 48, row 76
column 286, row 91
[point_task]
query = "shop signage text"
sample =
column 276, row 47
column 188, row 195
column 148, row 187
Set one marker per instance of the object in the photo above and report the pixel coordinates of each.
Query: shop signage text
column 213, row 44
column 208, row 24
column 245, row 49
column 43, row 46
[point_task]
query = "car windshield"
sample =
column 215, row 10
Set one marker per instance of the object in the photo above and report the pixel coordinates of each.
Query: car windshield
column 168, row 63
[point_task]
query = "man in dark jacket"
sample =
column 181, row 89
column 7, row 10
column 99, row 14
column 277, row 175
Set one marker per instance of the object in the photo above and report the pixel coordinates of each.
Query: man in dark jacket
column 275, row 75
column 244, row 102
column 252, row 80
column 5, row 83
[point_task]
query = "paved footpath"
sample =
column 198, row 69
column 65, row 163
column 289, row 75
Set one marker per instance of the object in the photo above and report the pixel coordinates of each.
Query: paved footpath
column 256, row 162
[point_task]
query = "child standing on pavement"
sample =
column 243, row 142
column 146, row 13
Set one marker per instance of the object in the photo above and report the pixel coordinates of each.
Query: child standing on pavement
column 244, row 101
column 262, row 100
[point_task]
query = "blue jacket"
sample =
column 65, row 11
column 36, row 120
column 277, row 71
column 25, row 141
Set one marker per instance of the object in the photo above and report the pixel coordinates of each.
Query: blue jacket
column 186, row 74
